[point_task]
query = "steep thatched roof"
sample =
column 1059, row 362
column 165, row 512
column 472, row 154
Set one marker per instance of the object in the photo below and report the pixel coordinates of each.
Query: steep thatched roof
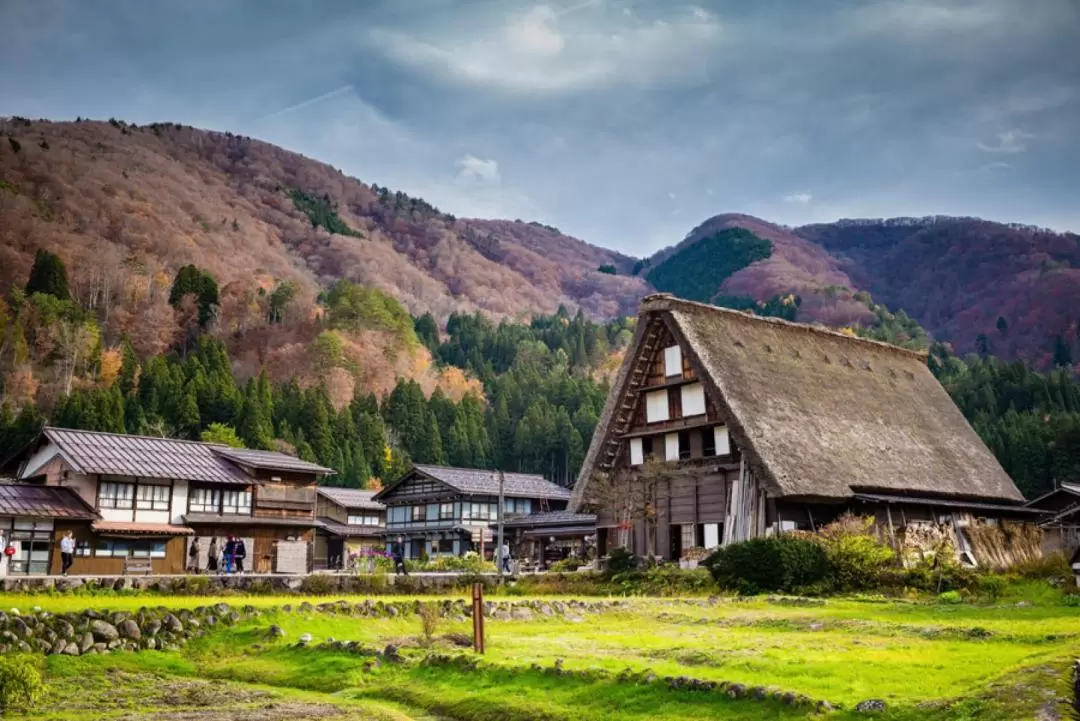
column 820, row 414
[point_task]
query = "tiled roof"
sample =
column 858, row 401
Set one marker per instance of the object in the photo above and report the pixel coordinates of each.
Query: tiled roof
column 344, row 529
column 553, row 518
column 143, row 456
column 149, row 529
column 352, row 498
column 42, row 502
column 477, row 482
column 216, row 519
column 270, row 460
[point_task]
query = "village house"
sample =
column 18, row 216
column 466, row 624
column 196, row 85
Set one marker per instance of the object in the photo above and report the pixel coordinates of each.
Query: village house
column 541, row 539
column 723, row 426
column 449, row 511
column 31, row 517
column 351, row 522
column 152, row 495
column 1061, row 524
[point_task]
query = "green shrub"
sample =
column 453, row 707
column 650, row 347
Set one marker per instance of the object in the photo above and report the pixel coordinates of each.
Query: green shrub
column 319, row 584
column 1072, row 600
column 621, row 560
column 951, row 597
column 991, row 586
column 856, row 557
column 780, row 563
column 663, row 581
column 20, row 683
column 572, row 563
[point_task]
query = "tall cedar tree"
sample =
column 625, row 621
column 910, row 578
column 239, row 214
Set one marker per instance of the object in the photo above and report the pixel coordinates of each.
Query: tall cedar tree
column 48, row 276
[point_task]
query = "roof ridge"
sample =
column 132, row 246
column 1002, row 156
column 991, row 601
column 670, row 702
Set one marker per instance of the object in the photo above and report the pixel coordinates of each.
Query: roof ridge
column 493, row 471
column 134, row 435
column 662, row 301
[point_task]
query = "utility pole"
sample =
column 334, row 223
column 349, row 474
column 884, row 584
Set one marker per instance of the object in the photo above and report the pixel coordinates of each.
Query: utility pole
column 502, row 504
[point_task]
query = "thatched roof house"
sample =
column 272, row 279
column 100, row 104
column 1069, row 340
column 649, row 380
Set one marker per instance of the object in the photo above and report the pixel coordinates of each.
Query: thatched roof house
column 794, row 413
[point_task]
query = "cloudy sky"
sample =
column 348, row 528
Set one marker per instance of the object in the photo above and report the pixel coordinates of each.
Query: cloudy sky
column 624, row 122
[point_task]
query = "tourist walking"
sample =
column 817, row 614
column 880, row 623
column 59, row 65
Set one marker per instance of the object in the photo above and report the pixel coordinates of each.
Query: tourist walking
column 504, row 557
column 230, row 553
column 67, row 552
column 239, row 554
column 212, row 561
column 397, row 552
column 193, row 556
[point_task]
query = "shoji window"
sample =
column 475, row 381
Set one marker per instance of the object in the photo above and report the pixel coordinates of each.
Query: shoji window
column 693, row 400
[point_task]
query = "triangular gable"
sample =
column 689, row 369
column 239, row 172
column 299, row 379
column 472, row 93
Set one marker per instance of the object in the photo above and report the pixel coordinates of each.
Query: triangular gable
column 413, row 481
column 654, row 334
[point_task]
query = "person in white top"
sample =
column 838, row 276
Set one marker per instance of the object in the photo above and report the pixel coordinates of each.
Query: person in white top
column 67, row 552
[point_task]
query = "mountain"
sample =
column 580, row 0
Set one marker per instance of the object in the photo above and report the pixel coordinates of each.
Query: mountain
column 166, row 195
column 1018, row 287
column 1008, row 290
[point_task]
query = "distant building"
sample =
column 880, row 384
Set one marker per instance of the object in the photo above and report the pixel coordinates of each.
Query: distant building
column 151, row 495
column 31, row 519
column 350, row 522
column 449, row 511
column 758, row 426
column 1061, row 524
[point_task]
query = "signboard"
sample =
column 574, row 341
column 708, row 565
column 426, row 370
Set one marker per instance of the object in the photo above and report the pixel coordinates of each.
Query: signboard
column 481, row 534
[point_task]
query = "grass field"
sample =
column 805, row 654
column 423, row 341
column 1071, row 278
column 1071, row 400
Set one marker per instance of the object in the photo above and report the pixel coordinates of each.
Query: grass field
column 926, row 661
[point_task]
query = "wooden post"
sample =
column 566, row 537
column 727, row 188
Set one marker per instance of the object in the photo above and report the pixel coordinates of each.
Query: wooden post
column 478, row 617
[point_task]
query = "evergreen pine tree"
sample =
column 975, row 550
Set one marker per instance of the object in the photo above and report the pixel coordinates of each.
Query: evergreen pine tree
column 48, row 276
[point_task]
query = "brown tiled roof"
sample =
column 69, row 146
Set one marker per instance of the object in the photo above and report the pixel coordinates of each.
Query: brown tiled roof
column 26, row 501
column 473, row 481
column 143, row 456
column 217, row 519
column 352, row 498
column 270, row 460
column 147, row 529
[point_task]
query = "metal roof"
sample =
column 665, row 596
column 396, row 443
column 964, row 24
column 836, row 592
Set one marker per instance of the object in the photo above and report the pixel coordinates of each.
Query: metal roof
column 552, row 518
column 944, row 503
column 150, row 457
column 27, row 501
column 346, row 530
column 270, row 460
column 143, row 456
column 473, row 481
column 352, row 498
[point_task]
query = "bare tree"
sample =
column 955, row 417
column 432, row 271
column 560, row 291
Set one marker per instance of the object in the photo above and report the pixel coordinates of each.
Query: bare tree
column 631, row 496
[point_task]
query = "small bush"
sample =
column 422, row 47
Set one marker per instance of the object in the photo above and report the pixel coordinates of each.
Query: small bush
column 1071, row 600
column 1054, row 565
column 621, row 560
column 950, row 597
column 429, row 619
column 20, row 683
column 780, row 563
column 856, row 557
column 319, row 584
column 991, row 586
column 568, row 564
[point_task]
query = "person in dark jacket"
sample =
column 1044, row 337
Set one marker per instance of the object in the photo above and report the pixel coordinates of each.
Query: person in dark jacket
column 239, row 554
column 213, row 557
column 229, row 553
column 397, row 552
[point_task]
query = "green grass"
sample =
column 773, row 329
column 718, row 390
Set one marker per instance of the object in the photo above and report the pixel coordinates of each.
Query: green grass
column 927, row 661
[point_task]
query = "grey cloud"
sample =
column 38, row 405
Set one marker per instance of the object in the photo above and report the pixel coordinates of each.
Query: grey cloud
column 590, row 113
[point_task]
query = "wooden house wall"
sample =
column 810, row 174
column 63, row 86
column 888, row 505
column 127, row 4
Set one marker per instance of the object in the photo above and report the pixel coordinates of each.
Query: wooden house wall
column 173, row 563
column 325, row 508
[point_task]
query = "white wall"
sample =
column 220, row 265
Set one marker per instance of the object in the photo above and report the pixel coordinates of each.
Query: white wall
column 179, row 502
column 693, row 400
column 656, row 406
column 671, row 446
column 673, row 361
column 723, row 442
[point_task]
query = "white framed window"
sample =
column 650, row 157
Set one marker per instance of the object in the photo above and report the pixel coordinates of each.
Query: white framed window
column 671, row 446
column 673, row 361
column 153, row 498
column 364, row 519
column 722, row 441
column 693, row 400
column 204, row 500
column 115, row 495
column 656, row 406
column 236, row 502
column 637, row 454
column 688, row 535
